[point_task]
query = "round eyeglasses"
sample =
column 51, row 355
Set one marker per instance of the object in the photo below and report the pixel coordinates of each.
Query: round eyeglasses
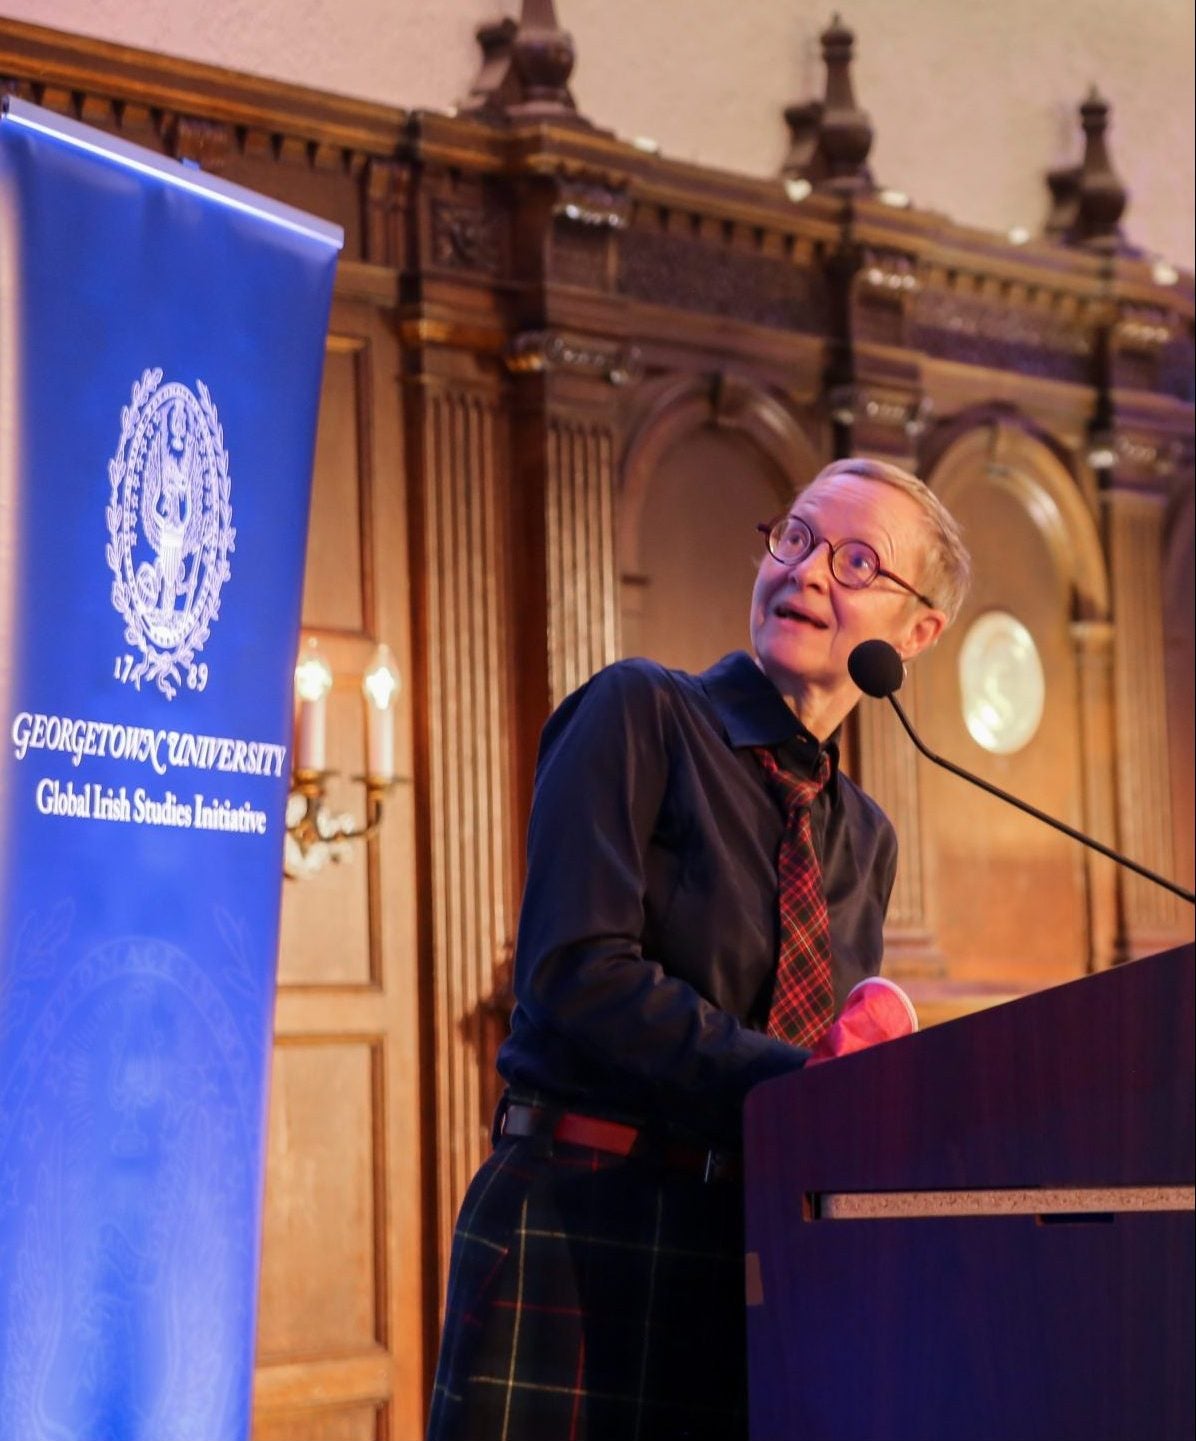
column 854, row 563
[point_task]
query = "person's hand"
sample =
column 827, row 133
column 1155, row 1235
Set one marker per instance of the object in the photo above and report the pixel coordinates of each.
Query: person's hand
column 875, row 1010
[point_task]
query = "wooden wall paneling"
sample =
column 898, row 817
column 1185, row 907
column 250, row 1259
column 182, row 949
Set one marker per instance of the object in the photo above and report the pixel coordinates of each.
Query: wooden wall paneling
column 1145, row 430
column 881, row 412
column 1025, row 924
column 708, row 456
column 890, row 770
column 321, row 1423
column 1037, row 552
column 589, row 266
column 329, row 925
column 407, row 1297
column 1180, row 624
column 321, row 1163
column 567, row 359
column 455, row 440
column 564, row 440
column 570, row 420
column 583, row 631
column 1152, row 919
column 1093, row 643
column 338, row 583
column 344, row 1298
column 687, row 595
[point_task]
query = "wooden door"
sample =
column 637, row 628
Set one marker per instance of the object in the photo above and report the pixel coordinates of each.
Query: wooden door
column 340, row 1330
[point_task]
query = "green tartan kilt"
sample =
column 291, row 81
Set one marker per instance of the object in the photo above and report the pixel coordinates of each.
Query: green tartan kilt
column 593, row 1297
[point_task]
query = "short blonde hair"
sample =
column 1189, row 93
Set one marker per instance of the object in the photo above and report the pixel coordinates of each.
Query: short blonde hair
column 946, row 564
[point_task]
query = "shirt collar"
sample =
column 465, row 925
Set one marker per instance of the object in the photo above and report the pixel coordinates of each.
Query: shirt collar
column 754, row 713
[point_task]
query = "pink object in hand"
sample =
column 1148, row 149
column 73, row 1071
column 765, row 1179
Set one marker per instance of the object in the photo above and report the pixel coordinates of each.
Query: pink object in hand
column 875, row 1010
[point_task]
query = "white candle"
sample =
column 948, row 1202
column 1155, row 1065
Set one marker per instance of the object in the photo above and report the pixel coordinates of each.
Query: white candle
column 380, row 686
column 313, row 681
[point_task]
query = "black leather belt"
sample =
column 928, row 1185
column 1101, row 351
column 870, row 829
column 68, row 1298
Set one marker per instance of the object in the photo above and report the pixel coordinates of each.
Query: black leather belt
column 574, row 1128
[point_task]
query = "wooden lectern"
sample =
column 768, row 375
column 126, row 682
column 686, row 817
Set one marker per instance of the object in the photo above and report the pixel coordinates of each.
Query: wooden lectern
column 983, row 1232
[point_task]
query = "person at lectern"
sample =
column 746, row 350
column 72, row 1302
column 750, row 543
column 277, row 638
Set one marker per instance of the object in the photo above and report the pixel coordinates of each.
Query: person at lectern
column 704, row 888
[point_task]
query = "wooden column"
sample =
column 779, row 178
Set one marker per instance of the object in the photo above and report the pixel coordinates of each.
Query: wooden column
column 1093, row 643
column 884, row 404
column 1151, row 919
column 564, row 443
column 889, row 772
column 579, row 531
column 459, row 534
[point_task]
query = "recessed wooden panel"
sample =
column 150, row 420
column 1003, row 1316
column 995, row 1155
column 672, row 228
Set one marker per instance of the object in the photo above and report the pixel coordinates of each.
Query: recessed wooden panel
column 1179, row 567
column 333, row 590
column 325, row 936
column 319, row 1237
column 1022, row 922
column 699, row 550
column 318, row 1423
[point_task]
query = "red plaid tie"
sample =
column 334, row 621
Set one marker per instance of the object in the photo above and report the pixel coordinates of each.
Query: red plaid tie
column 803, row 997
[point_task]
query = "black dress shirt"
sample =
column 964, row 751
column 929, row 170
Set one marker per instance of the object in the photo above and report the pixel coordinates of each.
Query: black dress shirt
column 647, row 941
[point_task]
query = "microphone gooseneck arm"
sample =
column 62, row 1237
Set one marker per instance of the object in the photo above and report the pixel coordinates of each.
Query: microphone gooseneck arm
column 1034, row 811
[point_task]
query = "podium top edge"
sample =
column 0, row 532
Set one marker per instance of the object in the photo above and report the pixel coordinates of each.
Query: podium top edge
column 171, row 172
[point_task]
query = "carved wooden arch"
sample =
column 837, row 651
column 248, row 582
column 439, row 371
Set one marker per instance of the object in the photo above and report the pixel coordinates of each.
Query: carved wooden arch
column 1001, row 449
column 1004, row 453
column 686, row 404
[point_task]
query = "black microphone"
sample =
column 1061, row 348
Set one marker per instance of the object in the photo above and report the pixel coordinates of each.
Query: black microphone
column 878, row 671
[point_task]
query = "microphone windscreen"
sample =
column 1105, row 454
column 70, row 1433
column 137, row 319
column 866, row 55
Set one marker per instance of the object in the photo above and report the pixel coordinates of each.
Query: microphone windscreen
column 876, row 668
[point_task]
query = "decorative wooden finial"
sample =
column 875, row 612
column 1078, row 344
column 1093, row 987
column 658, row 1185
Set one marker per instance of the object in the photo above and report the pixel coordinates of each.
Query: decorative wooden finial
column 1102, row 196
column 543, row 55
column 846, row 129
column 526, row 65
column 497, row 85
column 1088, row 200
column 831, row 138
column 1063, row 183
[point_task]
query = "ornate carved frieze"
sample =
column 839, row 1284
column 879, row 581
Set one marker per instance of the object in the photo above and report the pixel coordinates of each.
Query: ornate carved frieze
column 882, row 420
column 588, row 210
column 888, row 272
column 1150, row 349
column 306, row 148
column 993, row 330
column 466, row 237
column 208, row 143
column 589, row 200
column 886, row 423
column 540, row 350
column 695, row 275
column 884, row 288
column 1143, row 462
column 386, row 187
column 1176, row 372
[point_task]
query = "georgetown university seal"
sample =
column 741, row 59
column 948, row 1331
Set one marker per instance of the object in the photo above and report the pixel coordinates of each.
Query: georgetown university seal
column 170, row 531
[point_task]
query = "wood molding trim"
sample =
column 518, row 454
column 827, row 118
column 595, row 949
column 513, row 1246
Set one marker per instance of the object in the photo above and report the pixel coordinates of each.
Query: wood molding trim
column 71, row 72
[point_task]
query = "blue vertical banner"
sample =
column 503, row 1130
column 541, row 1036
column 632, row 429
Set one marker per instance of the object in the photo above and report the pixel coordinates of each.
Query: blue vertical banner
column 161, row 348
